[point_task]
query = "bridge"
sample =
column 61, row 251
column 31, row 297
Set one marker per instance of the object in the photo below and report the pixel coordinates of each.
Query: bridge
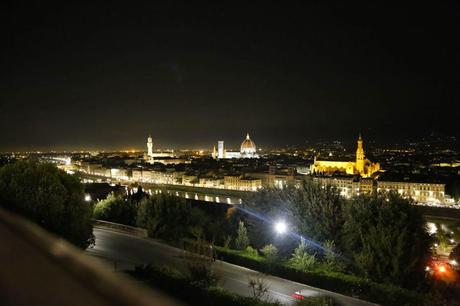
column 216, row 195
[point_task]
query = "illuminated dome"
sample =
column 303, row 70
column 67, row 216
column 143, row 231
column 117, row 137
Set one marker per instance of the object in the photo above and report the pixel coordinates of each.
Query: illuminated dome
column 248, row 147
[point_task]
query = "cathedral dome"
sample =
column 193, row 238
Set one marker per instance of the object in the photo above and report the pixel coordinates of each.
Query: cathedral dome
column 248, row 147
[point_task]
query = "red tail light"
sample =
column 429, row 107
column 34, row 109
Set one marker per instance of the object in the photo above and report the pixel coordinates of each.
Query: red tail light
column 297, row 296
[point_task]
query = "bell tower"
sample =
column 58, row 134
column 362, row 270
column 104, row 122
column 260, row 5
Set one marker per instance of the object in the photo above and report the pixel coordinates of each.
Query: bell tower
column 360, row 156
column 150, row 146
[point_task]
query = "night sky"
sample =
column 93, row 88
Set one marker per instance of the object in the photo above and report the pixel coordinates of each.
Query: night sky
column 106, row 76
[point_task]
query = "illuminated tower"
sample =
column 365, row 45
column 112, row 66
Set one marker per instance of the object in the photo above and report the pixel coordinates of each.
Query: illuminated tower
column 220, row 149
column 360, row 156
column 150, row 146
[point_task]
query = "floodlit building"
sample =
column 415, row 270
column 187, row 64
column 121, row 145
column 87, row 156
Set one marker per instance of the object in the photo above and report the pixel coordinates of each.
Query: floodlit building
column 361, row 166
column 420, row 192
column 237, row 182
column 150, row 146
column 165, row 156
column 248, row 149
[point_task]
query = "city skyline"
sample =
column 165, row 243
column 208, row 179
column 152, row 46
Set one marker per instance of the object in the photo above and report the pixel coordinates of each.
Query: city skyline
column 80, row 77
column 259, row 153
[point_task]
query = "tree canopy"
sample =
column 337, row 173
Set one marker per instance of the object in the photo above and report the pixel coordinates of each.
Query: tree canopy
column 49, row 197
column 116, row 209
column 386, row 237
column 380, row 236
column 309, row 210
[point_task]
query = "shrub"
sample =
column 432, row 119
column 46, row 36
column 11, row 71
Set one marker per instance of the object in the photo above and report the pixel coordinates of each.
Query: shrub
column 258, row 287
column 242, row 239
column 251, row 251
column 301, row 259
column 332, row 260
column 270, row 251
column 201, row 273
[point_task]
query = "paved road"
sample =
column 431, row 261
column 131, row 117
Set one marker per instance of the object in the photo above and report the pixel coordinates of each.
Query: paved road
column 128, row 251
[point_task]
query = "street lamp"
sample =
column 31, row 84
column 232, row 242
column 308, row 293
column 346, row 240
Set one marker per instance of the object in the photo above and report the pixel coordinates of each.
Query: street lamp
column 280, row 227
column 87, row 198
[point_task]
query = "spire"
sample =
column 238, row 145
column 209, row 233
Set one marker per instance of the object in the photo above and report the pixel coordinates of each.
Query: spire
column 360, row 138
column 247, row 136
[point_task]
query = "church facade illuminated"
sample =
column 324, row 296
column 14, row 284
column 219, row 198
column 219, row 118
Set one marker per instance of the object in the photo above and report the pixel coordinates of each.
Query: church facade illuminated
column 361, row 166
column 248, row 149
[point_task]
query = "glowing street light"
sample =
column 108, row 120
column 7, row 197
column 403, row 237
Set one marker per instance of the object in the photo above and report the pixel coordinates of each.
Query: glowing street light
column 87, row 198
column 280, row 227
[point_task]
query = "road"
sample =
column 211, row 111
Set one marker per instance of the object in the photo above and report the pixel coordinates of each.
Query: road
column 125, row 251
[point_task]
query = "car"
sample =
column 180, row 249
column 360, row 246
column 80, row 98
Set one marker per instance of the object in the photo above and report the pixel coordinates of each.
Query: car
column 309, row 293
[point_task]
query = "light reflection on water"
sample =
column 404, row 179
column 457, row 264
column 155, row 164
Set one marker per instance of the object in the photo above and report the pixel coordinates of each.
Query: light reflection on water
column 200, row 196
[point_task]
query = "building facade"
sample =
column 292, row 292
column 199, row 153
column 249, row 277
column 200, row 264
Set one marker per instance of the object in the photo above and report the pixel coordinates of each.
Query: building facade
column 248, row 149
column 420, row 192
column 361, row 166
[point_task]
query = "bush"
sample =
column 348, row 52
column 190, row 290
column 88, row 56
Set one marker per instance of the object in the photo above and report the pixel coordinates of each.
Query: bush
column 301, row 259
column 200, row 270
column 258, row 287
column 251, row 251
column 270, row 252
column 242, row 239
column 50, row 197
column 332, row 259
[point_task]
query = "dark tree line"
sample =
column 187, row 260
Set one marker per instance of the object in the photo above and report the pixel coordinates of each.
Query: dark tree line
column 48, row 196
column 166, row 217
column 381, row 237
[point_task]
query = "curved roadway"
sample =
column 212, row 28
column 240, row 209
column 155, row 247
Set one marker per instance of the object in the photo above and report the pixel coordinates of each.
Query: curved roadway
column 125, row 251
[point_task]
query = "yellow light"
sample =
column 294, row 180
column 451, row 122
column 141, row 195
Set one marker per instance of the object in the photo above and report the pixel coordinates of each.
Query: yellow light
column 442, row 269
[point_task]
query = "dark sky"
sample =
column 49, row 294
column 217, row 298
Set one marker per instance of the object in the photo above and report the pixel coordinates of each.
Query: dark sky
column 105, row 76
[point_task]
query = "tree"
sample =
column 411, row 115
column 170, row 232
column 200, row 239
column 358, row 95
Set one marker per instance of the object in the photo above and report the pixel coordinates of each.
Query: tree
column 301, row 259
column 165, row 216
column 116, row 209
column 314, row 211
column 332, row 258
column 50, row 197
column 242, row 239
column 386, row 237
column 270, row 252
